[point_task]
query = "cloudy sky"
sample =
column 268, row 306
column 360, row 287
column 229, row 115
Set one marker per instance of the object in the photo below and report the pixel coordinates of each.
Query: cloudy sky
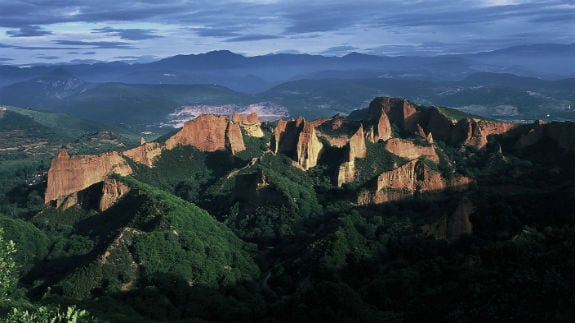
column 51, row 31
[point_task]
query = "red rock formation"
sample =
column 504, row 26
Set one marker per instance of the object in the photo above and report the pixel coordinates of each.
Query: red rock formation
column 144, row 154
column 112, row 192
column 420, row 132
column 234, row 139
column 286, row 136
column 338, row 142
column 379, row 126
column 356, row 149
column 562, row 132
column 250, row 123
column 69, row 175
column 435, row 122
column 453, row 226
column 308, row 147
column 207, row 133
column 404, row 181
column 399, row 111
column 475, row 132
column 407, row 149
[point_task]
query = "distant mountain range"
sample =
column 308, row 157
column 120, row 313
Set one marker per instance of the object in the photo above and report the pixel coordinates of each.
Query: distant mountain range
column 516, row 83
column 259, row 73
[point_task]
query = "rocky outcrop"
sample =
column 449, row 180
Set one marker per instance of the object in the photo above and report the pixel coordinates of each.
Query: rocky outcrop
column 285, row 137
column 208, row 133
column 399, row 111
column 475, row 132
column 69, row 175
column 563, row 133
column 308, row 147
column 428, row 123
column 250, row 123
column 406, row 180
column 234, row 139
column 297, row 139
column 379, row 126
column 452, row 226
column 434, row 122
column 112, row 191
column 408, row 149
column 145, row 153
column 356, row 149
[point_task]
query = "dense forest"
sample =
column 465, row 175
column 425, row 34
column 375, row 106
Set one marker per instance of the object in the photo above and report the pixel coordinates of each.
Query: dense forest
column 211, row 236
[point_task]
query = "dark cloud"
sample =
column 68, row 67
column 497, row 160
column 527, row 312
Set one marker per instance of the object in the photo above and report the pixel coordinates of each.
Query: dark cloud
column 326, row 16
column 28, row 31
column 48, row 57
column 215, row 32
column 37, row 47
column 95, row 44
column 128, row 34
column 6, row 59
column 464, row 15
column 254, row 37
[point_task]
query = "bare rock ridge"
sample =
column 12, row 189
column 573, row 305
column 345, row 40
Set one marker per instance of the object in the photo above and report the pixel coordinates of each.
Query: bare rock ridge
column 406, row 116
column 250, row 123
column 356, row 149
column 398, row 111
column 207, row 133
column 298, row 139
column 408, row 149
column 145, row 153
column 68, row 175
column 404, row 181
column 308, row 147
column 561, row 132
column 234, row 140
column 112, row 192
column 336, row 139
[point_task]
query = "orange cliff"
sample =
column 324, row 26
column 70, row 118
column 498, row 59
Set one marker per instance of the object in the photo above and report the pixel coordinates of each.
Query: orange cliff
column 406, row 180
column 208, row 133
column 356, row 149
column 145, row 153
column 408, row 149
column 475, row 132
column 68, row 175
column 430, row 122
column 399, row 111
column 308, row 147
column 250, row 123
column 298, row 139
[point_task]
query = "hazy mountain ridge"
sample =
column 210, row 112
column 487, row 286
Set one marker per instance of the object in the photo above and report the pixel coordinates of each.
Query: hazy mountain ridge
column 500, row 96
column 255, row 74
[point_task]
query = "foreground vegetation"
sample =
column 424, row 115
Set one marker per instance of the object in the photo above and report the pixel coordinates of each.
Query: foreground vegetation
column 233, row 238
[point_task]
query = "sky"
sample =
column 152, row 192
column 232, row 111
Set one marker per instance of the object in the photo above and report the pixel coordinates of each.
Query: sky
column 75, row 31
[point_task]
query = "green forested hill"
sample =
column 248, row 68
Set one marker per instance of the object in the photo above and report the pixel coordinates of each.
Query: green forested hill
column 211, row 236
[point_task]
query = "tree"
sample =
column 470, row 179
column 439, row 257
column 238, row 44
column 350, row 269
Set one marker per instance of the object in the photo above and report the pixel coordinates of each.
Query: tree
column 7, row 267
